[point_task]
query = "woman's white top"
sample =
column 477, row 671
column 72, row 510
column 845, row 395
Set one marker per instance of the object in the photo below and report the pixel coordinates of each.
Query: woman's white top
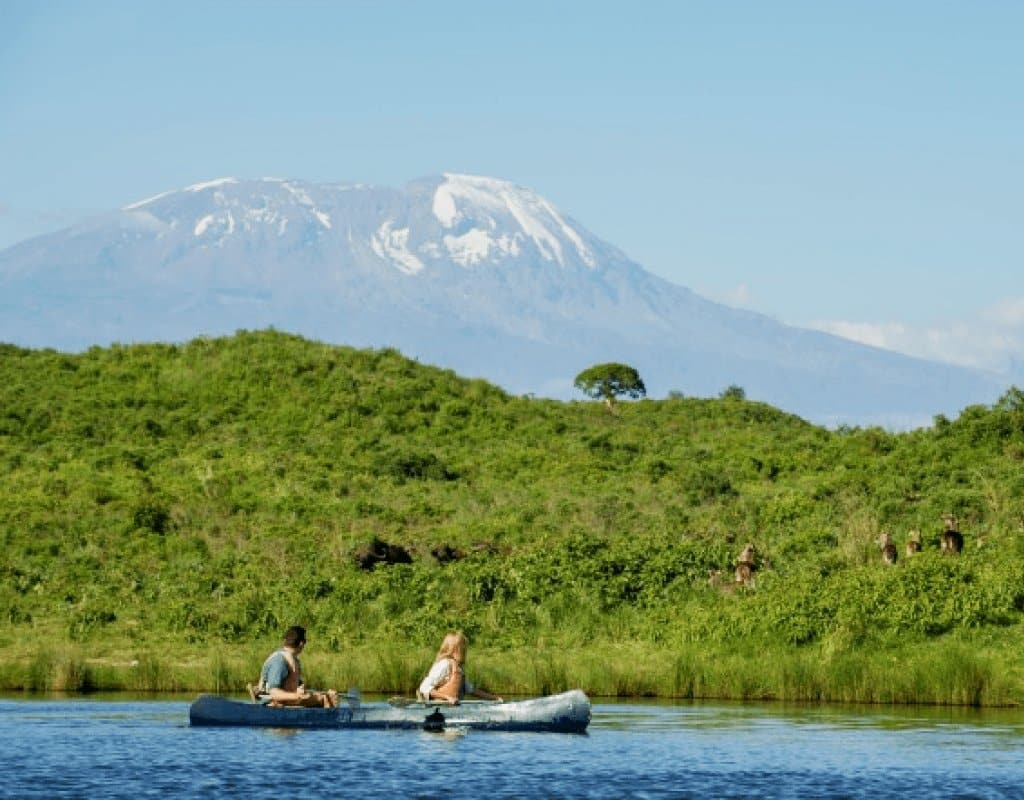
column 438, row 676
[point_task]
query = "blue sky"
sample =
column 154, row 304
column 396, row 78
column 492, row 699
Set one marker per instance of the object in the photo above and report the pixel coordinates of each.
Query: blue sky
column 856, row 166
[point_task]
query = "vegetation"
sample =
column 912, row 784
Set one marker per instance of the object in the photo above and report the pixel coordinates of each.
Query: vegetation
column 610, row 381
column 166, row 511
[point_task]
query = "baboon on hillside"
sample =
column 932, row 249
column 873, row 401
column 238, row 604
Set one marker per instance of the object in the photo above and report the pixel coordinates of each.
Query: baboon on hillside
column 952, row 539
column 745, row 565
column 888, row 548
column 914, row 542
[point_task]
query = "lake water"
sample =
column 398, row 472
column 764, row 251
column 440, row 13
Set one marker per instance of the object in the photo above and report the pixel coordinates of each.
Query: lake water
column 99, row 748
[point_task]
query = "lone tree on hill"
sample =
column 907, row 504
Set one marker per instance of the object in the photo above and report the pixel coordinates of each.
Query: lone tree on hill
column 610, row 381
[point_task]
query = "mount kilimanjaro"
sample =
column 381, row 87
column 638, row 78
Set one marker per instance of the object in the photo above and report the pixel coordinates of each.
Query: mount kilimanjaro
column 475, row 274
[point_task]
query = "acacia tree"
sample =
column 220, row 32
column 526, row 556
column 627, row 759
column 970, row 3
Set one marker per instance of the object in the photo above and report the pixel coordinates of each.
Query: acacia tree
column 609, row 381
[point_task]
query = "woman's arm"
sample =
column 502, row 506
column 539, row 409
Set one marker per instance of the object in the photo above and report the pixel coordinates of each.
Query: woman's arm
column 483, row 694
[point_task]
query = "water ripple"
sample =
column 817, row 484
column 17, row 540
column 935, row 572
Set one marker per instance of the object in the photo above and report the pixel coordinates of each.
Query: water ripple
column 85, row 749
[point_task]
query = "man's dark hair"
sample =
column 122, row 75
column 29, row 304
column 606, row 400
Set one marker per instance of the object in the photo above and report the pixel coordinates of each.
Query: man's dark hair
column 295, row 636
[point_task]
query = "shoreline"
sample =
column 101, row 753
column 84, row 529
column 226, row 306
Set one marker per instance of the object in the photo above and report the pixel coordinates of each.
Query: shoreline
column 953, row 673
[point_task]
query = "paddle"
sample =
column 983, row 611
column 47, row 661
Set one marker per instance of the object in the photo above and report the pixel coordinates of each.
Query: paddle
column 406, row 702
column 351, row 698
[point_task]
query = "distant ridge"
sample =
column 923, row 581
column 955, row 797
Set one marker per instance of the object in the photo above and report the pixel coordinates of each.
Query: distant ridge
column 472, row 273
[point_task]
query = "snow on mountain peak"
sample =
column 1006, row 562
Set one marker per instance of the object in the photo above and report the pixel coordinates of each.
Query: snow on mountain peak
column 199, row 187
column 482, row 220
column 303, row 199
column 474, row 204
column 393, row 245
column 196, row 187
column 225, row 205
column 139, row 204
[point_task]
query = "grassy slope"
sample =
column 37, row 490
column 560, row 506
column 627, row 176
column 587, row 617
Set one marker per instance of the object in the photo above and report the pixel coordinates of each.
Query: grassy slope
column 180, row 506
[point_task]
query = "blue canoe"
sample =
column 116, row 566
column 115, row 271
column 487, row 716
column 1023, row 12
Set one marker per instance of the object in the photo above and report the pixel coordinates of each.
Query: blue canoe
column 568, row 712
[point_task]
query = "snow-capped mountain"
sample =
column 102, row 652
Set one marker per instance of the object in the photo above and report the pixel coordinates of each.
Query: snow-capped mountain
column 471, row 273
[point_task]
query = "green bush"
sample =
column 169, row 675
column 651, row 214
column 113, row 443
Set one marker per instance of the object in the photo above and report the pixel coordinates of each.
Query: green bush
column 171, row 499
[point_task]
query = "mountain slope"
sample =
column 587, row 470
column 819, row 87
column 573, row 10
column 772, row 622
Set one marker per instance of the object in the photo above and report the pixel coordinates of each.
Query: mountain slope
column 475, row 274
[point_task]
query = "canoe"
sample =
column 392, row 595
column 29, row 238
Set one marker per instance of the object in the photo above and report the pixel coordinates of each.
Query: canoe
column 568, row 712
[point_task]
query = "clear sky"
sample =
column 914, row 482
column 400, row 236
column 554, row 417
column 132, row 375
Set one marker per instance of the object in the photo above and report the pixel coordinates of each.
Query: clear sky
column 854, row 166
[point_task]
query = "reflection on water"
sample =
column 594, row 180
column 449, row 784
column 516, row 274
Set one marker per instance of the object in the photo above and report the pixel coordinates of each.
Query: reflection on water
column 116, row 748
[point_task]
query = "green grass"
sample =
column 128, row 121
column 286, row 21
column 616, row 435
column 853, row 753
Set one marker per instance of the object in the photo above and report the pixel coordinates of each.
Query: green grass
column 944, row 673
column 167, row 510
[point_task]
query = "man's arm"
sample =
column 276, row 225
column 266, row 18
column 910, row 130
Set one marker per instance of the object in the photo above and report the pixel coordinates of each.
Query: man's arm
column 279, row 695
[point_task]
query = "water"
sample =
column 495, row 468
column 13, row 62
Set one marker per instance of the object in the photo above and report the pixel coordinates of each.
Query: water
column 92, row 748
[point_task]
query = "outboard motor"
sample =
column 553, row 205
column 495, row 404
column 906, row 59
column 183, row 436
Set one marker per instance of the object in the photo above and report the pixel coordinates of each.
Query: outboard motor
column 434, row 723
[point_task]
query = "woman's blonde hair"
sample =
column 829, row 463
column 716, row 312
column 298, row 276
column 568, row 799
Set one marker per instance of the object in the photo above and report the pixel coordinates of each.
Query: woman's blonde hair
column 453, row 646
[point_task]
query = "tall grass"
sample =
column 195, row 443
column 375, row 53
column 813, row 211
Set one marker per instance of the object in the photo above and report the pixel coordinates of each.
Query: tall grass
column 942, row 673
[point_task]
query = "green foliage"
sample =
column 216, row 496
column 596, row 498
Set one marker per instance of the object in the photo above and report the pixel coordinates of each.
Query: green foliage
column 165, row 500
column 610, row 381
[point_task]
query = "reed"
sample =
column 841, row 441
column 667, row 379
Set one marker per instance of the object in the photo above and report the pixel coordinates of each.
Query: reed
column 39, row 673
column 396, row 670
column 948, row 673
column 546, row 673
column 151, row 673
column 74, row 674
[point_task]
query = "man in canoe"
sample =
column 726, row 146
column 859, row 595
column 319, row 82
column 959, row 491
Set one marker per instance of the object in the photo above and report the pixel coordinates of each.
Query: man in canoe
column 446, row 680
column 281, row 676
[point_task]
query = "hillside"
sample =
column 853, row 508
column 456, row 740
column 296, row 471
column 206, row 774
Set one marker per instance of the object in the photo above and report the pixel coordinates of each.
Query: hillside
column 471, row 273
column 197, row 499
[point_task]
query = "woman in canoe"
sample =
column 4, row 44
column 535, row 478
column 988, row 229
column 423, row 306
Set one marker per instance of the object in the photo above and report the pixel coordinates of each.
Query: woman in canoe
column 446, row 680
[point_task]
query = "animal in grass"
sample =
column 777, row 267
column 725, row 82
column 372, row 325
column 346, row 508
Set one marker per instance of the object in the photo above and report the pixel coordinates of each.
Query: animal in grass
column 952, row 540
column 888, row 549
column 380, row 552
column 913, row 542
column 717, row 580
column 746, row 565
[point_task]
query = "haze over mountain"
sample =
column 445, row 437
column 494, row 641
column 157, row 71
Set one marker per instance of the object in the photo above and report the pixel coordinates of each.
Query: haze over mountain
column 476, row 274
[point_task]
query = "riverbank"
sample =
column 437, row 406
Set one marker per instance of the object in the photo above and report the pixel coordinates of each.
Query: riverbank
column 952, row 672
